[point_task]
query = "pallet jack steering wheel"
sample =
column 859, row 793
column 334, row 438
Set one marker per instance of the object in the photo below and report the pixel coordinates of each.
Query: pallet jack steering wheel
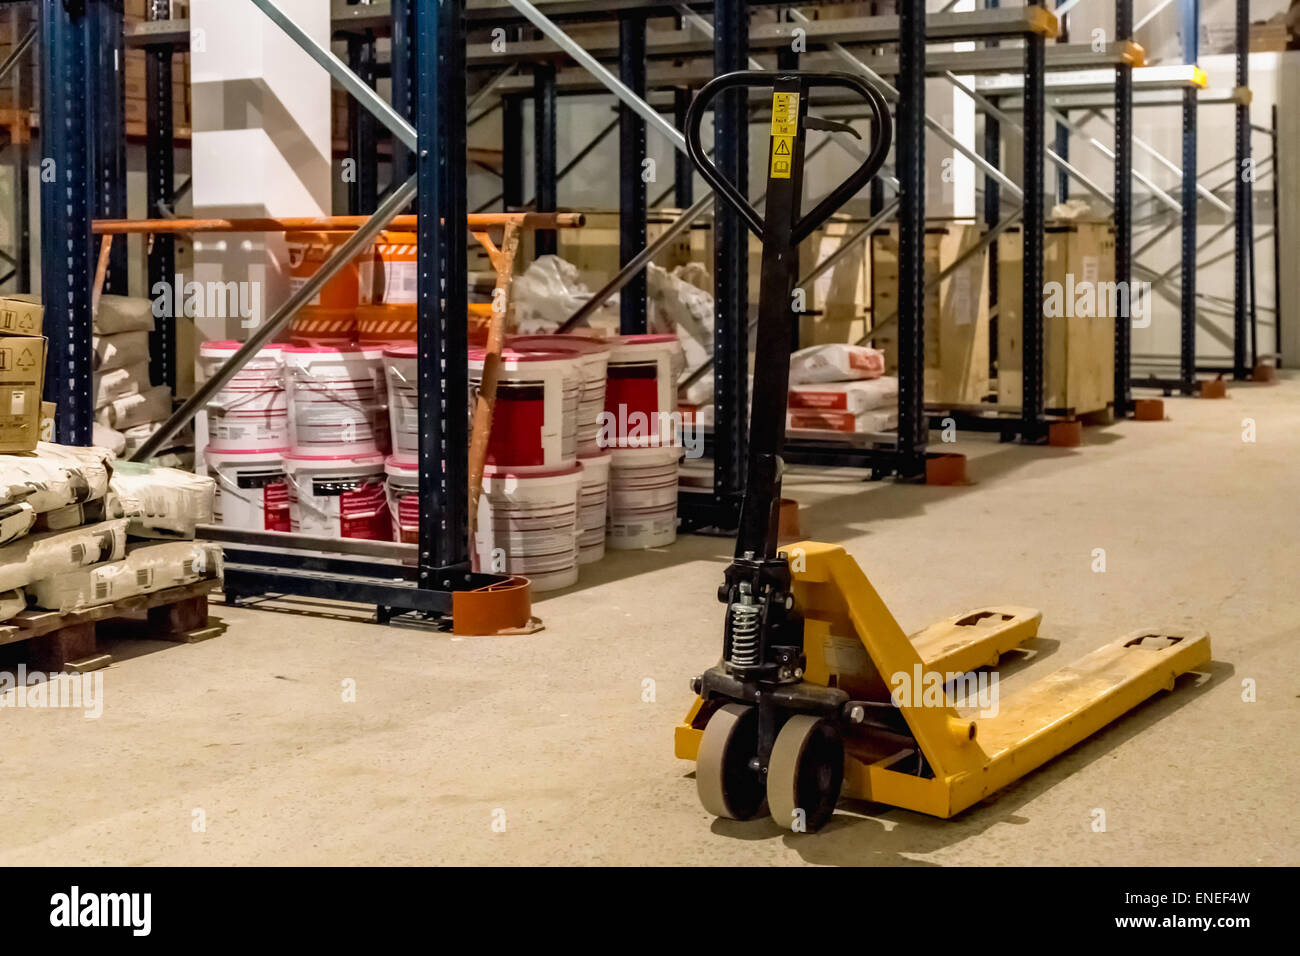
column 772, row 737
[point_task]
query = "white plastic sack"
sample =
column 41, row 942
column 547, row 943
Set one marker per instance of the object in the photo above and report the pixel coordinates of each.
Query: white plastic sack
column 677, row 307
column 872, row 422
column 11, row 603
column 16, row 519
column 549, row 292
column 121, row 313
column 146, row 568
column 855, row 398
column 45, row 482
column 836, row 362
column 109, row 438
column 160, row 501
column 120, row 382
column 120, row 350
column 151, row 406
column 45, row 555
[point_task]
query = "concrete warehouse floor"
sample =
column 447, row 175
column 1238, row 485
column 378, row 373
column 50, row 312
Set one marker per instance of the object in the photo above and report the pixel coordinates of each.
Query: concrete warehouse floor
column 250, row 727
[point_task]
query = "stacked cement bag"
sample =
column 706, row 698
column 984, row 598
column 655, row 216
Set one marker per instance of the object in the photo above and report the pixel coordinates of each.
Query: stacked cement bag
column 127, row 408
column 842, row 388
column 78, row 529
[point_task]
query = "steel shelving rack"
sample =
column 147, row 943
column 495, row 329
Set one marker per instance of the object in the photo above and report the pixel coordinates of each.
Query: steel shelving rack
column 429, row 66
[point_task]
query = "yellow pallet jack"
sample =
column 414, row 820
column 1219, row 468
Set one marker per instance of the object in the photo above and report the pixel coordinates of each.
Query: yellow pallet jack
column 819, row 693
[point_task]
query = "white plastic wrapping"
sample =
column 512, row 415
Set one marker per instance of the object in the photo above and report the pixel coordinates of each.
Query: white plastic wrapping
column 549, row 292
column 57, row 552
column 11, row 603
column 16, row 519
column 120, row 350
column 855, row 398
column 160, row 501
column 836, row 362
column 118, row 383
column 146, row 568
column 154, row 405
column 122, row 313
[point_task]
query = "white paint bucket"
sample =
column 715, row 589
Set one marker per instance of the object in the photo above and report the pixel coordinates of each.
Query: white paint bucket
column 341, row 496
column 643, row 497
column 535, row 416
column 252, row 492
column 593, row 507
column 334, row 405
column 641, row 393
column 400, row 370
column 592, row 356
column 251, row 411
column 404, row 498
column 528, row 524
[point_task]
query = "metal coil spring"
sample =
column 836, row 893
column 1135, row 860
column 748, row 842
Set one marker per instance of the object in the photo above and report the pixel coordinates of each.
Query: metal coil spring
column 744, row 634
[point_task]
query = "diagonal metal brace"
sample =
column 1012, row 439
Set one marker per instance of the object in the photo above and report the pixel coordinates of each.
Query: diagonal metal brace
column 336, row 68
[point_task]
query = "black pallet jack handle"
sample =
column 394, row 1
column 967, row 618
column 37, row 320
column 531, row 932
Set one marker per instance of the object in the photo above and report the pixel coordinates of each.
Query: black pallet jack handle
column 781, row 230
column 789, row 81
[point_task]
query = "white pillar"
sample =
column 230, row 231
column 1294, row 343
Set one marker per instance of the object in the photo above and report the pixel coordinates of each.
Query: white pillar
column 261, row 145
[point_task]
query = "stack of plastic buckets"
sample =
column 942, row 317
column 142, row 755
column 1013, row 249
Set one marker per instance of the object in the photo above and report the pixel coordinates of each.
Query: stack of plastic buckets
column 330, row 319
column 644, row 443
column 592, row 356
column 390, row 318
column 335, row 464
column 403, row 465
column 247, row 428
column 528, row 513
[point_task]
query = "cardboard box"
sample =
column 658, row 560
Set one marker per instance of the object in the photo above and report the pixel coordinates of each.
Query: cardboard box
column 21, row 315
column 22, row 376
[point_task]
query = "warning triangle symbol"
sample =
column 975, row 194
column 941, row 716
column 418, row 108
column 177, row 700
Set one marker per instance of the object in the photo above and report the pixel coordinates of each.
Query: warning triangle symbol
column 783, row 148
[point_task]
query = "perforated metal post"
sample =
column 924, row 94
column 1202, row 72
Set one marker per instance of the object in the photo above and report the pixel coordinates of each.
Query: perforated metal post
column 363, row 189
column 107, row 85
column 631, row 183
column 512, row 149
column 66, row 210
column 909, row 152
column 683, row 171
column 731, row 258
column 546, row 176
column 160, row 160
column 1123, row 212
column 1187, row 330
column 442, row 336
column 404, row 48
column 1031, row 290
column 1241, row 299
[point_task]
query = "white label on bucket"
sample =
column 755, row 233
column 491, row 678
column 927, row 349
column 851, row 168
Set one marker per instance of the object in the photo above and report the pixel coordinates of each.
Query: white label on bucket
column 401, row 285
column 296, row 283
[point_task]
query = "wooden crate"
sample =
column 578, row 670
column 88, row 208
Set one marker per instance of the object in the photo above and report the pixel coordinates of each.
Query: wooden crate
column 64, row 642
column 1078, row 351
column 956, row 326
column 840, row 298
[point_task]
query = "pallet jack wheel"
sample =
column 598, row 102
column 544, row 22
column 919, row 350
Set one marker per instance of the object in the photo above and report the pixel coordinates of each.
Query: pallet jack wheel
column 805, row 773
column 727, row 785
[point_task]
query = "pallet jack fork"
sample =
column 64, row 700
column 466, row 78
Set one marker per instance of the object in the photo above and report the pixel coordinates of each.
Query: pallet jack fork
column 819, row 692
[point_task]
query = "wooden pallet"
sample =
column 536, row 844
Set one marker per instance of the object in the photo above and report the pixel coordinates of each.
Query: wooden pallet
column 67, row 642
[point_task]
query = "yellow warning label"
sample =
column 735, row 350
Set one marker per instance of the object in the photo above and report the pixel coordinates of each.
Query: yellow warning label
column 785, row 114
column 785, row 126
